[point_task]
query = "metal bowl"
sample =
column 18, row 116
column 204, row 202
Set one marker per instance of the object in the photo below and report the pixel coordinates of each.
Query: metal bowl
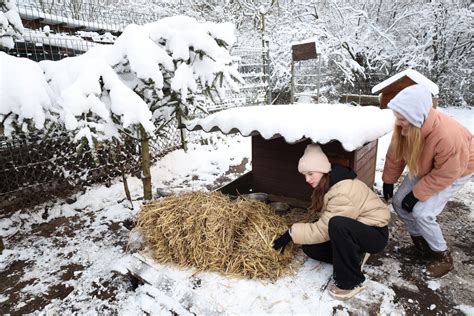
column 262, row 197
column 279, row 207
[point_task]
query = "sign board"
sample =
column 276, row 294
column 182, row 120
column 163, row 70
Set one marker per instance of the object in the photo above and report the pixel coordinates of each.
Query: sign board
column 304, row 51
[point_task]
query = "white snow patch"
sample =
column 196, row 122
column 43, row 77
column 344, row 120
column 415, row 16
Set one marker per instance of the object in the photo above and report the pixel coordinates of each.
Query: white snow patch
column 434, row 284
column 466, row 309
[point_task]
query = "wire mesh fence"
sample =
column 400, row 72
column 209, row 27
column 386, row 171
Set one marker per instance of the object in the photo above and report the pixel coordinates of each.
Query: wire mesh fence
column 36, row 167
column 314, row 77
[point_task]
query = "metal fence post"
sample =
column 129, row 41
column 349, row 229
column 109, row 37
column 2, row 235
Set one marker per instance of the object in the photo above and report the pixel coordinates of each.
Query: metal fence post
column 319, row 75
column 292, row 85
column 269, row 88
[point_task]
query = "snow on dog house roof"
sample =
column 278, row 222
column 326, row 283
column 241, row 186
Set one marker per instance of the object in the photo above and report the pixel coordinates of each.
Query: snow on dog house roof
column 352, row 126
column 390, row 87
column 414, row 75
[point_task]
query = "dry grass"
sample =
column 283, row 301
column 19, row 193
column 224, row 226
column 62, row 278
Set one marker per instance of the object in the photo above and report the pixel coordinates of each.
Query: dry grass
column 209, row 232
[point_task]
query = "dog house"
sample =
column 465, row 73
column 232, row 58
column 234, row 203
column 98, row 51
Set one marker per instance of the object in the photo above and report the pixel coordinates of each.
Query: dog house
column 390, row 87
column 347, row 134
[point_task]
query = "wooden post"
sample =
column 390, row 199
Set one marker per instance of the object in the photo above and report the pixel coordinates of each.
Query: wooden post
column 146, row 179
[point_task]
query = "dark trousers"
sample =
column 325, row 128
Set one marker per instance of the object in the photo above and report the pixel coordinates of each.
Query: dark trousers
column 349, row 240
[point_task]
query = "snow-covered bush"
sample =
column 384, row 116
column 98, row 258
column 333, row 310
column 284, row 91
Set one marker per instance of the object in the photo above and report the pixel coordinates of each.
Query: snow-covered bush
column 26, row 100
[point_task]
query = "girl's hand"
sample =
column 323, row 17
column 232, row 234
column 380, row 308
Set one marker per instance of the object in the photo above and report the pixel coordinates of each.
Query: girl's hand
column 282, row 241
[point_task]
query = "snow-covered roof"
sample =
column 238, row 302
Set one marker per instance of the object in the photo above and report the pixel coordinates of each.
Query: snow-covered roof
column 413, row 75
column 353, row 126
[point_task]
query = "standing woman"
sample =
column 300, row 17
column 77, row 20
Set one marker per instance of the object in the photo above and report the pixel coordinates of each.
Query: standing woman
column 353, row 222
column 439, row 153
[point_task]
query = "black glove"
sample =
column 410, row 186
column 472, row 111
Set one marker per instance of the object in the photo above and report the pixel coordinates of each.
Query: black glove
column 282, row 241
column 409, row 202
column 387, row 191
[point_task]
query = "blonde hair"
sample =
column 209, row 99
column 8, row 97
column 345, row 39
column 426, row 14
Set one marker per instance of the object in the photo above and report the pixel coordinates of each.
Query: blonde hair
column 408, row 147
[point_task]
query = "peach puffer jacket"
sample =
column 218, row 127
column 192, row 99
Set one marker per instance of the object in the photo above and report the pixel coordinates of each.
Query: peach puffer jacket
column 448, row 154
column 349, row 198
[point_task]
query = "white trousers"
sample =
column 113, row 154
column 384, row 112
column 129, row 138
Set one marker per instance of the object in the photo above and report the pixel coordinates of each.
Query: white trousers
column 422, row 221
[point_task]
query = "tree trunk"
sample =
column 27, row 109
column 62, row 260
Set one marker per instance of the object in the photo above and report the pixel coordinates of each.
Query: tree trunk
column 1, row 245
column 181, row 131
column 124, row 176
column 146, row 178
column 126, row 189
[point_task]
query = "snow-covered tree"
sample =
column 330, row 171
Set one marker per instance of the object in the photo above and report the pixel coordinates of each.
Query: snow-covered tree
column 363, row 42
column 150, row 76
column 10, row 23
column 451, row 47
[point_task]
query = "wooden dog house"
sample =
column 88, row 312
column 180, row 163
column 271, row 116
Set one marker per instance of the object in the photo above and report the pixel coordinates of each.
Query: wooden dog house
column 389, row 88
column 275, row 163
column 278, row 142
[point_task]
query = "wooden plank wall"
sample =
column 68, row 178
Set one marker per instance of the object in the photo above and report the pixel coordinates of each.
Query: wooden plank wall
column 275, row 168
column 365, row 163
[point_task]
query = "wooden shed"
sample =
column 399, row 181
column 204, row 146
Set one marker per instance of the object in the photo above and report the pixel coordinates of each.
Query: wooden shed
column 280, row 134
column 389, row 88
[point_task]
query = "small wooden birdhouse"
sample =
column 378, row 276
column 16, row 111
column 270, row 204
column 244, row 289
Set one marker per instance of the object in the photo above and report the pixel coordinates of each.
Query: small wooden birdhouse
column 389, row 88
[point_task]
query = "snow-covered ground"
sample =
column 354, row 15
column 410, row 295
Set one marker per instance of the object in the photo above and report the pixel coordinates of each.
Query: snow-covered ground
column 60, row 258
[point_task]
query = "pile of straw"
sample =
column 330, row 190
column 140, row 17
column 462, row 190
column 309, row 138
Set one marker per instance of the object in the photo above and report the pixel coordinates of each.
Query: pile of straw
column 209, row 232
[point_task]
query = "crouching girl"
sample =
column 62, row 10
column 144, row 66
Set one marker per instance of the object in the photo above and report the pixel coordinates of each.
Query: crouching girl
column 352, row 223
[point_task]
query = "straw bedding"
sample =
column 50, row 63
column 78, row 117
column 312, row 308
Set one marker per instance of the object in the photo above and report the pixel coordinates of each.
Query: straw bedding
column 210, row 232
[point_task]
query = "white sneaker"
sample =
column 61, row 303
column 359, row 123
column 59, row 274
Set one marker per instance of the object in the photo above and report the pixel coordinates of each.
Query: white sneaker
column 342, row 294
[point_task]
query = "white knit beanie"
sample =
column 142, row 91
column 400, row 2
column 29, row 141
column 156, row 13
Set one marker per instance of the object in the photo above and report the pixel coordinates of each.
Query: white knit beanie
column 314, row 159
column 413, row 103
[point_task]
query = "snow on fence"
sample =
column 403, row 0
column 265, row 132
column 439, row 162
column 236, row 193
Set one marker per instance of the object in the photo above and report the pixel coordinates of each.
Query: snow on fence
column 82, row 15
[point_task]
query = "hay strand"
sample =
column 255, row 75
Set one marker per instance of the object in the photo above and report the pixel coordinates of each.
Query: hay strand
column 209, row 232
